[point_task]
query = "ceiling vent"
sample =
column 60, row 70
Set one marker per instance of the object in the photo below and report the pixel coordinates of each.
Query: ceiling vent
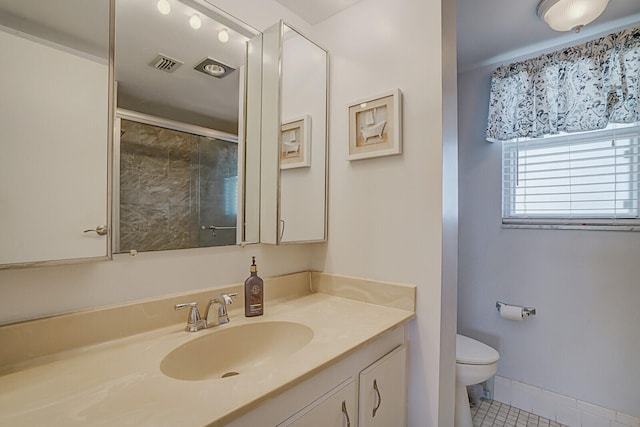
column 164, row 63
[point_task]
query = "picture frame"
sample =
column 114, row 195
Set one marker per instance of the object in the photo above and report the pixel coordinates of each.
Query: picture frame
column 295, row 143
column 375, row 126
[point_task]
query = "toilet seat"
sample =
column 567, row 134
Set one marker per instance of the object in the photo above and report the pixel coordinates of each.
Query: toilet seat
column 472, row 352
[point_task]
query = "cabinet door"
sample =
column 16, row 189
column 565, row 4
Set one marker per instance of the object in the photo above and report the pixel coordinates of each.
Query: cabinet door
column 293, row 171
column 383, row 391
column 54, row 127
column 334, row 409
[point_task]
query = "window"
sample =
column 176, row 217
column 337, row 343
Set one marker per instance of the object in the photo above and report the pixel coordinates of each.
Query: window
column 585, row 179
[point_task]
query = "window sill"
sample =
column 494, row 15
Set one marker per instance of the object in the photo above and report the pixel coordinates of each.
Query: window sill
column 590, row 227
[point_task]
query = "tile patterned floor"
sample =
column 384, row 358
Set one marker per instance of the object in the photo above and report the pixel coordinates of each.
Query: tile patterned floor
column 490, row 413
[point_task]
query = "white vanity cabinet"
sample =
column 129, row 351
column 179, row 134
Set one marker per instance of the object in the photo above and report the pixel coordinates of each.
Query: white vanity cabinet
column 383, row 391
column 318, row 401
column 334, row 409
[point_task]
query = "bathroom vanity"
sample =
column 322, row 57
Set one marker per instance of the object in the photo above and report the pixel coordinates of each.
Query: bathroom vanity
column 329, row 350
column 368, row 388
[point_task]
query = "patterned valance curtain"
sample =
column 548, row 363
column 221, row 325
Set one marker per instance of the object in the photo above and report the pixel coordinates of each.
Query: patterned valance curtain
column 581, row 88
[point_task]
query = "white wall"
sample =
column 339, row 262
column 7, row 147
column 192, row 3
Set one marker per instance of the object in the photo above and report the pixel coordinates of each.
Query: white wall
column 385, row 214
column 43, row 291
column 584, row 341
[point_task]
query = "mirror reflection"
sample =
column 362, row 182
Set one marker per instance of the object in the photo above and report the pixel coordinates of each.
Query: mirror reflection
column 302, row 139
column 54, row 131
column 180, row 72
column 178, row 189
column 294, row 138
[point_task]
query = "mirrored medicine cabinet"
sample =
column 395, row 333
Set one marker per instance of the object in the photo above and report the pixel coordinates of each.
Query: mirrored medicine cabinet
column 186, row 127
column 55, row 131
column 183, row 141
column 294, row 138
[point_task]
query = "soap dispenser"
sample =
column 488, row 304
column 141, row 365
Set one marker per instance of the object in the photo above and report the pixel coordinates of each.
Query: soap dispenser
column 253, row 292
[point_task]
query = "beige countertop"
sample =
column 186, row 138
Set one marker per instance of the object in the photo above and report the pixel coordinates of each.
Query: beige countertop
column 120, row 383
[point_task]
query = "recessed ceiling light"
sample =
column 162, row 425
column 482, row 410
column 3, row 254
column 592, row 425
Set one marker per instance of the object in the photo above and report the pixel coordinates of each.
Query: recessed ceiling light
column 211, row 67
column 164, row 7
column 215, row 69
column 223, row 36
column 195, row 21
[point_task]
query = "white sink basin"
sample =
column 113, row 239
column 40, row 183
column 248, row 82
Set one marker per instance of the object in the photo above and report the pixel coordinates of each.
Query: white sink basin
column 230, row 351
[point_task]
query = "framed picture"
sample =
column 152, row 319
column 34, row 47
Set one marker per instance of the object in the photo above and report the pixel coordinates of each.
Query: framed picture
column 375, row 126
column 295, row 143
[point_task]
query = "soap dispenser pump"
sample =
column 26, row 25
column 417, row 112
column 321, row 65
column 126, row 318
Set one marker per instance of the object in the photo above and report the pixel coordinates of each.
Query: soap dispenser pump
column 253, row 292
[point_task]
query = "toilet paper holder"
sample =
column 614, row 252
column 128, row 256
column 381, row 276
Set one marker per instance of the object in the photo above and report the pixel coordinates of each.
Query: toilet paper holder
column 526, row 311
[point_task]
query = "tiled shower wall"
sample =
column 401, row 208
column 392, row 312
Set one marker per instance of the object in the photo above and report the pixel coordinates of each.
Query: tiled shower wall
column 163, row 203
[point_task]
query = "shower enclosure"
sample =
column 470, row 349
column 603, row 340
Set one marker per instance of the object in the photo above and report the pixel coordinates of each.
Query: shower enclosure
column 177, row 189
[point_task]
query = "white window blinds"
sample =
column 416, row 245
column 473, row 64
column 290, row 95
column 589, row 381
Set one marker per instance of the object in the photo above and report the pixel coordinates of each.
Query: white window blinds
column 582, row 179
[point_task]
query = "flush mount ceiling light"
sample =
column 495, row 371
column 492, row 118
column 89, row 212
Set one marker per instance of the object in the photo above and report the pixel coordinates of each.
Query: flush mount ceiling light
column 214, row 68
column 568, row 15
column 164, row 7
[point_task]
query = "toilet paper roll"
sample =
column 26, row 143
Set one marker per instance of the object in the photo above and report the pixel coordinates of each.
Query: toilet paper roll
column 511, row 312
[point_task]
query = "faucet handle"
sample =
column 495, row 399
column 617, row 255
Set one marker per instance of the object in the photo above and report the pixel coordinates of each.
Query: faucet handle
column 228, row 298
column 194, row 321
column 223, row 300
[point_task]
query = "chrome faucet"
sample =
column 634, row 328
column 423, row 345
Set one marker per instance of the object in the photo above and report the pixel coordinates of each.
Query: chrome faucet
column 222, row 316
column 196, row 323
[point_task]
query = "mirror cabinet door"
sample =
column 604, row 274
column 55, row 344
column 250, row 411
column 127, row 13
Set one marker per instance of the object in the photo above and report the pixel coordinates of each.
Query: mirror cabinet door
column 55, row 131
column 188, row 98
column 249, row 152
column 294, row 138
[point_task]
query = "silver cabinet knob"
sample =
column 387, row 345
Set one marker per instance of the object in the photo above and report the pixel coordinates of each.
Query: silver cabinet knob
column 100, row 230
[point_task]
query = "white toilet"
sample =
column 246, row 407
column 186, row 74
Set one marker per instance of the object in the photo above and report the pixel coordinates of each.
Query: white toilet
column 475, row 363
